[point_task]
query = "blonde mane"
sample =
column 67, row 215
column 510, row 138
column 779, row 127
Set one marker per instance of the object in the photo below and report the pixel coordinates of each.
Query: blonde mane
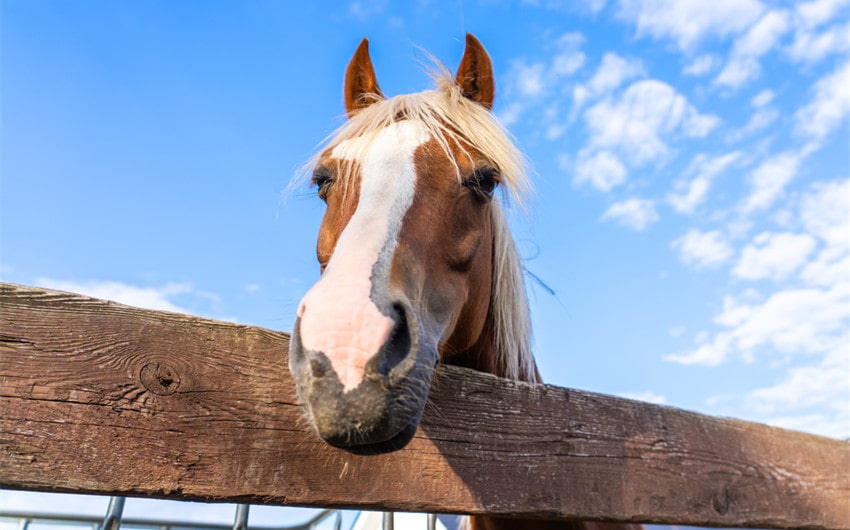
column 452, row 119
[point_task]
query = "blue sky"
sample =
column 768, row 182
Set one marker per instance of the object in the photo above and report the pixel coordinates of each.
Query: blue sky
column 692, row 203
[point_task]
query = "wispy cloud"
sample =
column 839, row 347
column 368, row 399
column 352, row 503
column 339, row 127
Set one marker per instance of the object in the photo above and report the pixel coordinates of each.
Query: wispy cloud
column 774, row 256
column 703, row 250
column 763, row 116
column 366, row 9
column 688, row 194
column 158, row 298
column 601, row 169
column 811, row 44
column 689, row 22
column 817, row 12
column 611, row 73
column 821, row 383
column 648, row 396
column 633, row 213
column 529, row 80
column 824, row 215
column 743, row 64
column 769, row 179
column 829, row 106
column 701, row 65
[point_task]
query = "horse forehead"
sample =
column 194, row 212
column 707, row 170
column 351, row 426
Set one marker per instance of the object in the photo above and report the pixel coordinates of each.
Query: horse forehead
column 395, row 142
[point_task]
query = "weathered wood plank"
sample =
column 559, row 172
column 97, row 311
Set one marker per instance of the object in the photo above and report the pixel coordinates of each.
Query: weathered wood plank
column 103, row 398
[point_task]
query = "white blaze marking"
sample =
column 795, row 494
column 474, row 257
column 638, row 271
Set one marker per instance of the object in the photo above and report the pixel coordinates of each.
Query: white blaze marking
column 338, row 316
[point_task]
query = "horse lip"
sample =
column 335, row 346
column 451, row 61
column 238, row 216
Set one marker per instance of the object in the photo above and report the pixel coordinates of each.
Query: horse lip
column 391, row 444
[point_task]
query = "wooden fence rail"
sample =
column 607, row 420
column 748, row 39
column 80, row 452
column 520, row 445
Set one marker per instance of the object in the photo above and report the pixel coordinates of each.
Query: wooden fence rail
column 102, row 398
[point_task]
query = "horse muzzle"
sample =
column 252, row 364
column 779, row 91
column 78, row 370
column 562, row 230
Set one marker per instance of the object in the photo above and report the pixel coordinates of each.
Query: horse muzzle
column 358, row 400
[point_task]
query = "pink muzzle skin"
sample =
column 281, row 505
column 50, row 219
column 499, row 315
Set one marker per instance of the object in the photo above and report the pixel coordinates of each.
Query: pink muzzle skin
column 340, row 320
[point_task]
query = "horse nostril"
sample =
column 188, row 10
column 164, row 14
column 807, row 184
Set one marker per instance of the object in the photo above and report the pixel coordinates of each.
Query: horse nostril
column 397, row 347
column 318, row 368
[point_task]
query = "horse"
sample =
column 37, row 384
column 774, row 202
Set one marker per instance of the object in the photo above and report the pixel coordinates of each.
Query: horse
column 418, row 266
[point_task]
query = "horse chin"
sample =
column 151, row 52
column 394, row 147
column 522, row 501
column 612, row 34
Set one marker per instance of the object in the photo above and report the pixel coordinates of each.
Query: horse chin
column 399, row 441
column 374, row 418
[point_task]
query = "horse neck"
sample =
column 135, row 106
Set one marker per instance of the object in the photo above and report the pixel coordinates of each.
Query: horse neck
column 498, row 351
column 482, row 355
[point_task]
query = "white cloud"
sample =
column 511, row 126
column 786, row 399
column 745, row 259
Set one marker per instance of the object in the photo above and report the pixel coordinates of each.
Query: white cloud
column 762, row 118
column 703, row 249
column 701, row 65
column 146, row 297
column 688, row 22
column 601, row 169
column 692, row 193
column 790, row 321
column 827, row 268
column 810, row 47
column 533, row 79
column 824, row 383
column 824, row 214
column 832, row 425
column 593, row 6
column 636, row 121
column 712, row 353
column 743, row 65
column 774, row 256
column 763, row 35
column 768, row 180
column 529, row 82
column 528, row 78
column 569, row 58
column 815, row 13
column 647, row 396
column 511, row 113
column 633, row 213
column 612, row 72
column 829, row 107
column 763, row 98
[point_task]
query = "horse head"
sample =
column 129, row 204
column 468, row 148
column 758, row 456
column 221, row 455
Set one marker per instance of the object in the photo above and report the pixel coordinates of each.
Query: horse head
column 414, row 255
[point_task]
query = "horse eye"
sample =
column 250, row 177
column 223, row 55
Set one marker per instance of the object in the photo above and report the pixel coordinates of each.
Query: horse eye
column 322, row 178
column 484, row 182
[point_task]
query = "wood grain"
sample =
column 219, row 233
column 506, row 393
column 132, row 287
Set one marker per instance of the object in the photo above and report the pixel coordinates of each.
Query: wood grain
column 97, row 397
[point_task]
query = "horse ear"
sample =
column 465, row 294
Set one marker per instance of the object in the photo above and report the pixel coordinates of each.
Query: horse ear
column 475, row 74
column 361, row 87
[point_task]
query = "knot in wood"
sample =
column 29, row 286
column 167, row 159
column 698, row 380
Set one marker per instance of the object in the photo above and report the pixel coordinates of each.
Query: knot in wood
column 159, row 378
